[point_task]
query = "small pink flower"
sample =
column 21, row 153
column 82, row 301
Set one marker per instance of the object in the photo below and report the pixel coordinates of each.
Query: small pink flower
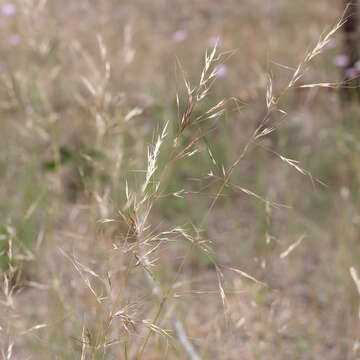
column 14, row 40
column 351, row 73
column 341, row 60
column 214, row 41
column 220, row 71
column 8, row 9
column 180, row 35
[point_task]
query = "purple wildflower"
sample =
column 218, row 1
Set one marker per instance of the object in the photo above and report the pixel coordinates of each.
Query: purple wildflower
column 351, row 73
column 180, row 35
column 8, row 9
column 341, row 60
column 220, row 71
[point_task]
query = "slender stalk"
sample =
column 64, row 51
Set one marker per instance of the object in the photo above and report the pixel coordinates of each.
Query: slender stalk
column 164, row 299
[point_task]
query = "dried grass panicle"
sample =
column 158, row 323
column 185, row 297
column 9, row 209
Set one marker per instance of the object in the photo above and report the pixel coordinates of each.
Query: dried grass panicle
column 315, row 51
column 11, row 286
column 272, row 102
column 199, row 92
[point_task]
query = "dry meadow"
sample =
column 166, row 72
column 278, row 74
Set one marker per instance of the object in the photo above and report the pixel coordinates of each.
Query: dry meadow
column 178, row 180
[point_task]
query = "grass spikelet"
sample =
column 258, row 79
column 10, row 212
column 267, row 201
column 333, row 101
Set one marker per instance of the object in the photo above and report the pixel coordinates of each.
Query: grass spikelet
column 292, row 247
column 246, row 276
column 356, row 278
column 153, row 156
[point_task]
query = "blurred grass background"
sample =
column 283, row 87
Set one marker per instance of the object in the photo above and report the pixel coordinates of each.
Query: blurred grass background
column 72, row 134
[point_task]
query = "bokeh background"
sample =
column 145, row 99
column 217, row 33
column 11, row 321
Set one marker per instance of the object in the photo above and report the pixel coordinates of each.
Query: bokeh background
column 85, row 89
